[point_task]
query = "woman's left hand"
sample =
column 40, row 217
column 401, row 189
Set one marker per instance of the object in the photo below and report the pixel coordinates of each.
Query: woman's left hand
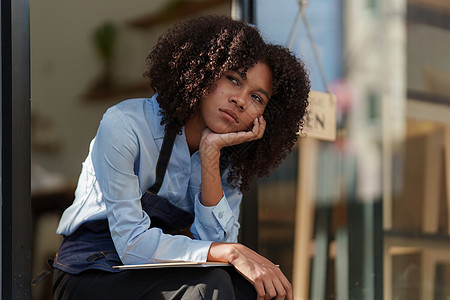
column 221, row 140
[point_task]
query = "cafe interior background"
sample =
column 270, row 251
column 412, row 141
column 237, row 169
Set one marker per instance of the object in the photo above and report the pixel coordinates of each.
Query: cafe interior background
column 361, row 212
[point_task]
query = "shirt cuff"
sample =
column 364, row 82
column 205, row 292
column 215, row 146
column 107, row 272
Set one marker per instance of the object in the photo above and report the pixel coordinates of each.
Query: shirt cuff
column 198, row 251
column 213, row 216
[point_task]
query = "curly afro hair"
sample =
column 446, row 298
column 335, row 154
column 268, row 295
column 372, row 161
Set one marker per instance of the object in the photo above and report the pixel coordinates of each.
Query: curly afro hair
column 190, row 57
column 187, row 61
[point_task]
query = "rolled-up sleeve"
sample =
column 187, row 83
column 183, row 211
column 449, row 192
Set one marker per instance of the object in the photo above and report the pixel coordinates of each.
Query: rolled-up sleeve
column 114, row 154
column 218, row 223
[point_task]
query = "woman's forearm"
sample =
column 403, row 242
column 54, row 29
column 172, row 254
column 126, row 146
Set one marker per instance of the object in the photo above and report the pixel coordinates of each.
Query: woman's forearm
column 212, row 190
column 222, row 252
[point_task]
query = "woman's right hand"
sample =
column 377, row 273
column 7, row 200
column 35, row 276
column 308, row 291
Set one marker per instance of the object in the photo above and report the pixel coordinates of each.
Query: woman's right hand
column 267, row 278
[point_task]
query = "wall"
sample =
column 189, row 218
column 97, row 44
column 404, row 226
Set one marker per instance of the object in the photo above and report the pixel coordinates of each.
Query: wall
column 64, row 63
column 426, row 60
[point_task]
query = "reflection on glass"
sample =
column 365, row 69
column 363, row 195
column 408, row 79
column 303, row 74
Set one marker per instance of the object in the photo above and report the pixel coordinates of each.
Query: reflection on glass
column 276, row 202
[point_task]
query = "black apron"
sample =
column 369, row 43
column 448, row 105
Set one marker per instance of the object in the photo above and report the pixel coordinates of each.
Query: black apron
column 91, row 245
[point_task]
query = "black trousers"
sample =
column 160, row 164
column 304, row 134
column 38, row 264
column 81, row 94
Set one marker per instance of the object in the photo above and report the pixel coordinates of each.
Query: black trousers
column 167, row 283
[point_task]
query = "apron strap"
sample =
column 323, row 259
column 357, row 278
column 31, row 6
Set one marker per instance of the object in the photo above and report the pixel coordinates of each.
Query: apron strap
column 163, row 214
column 163, row 160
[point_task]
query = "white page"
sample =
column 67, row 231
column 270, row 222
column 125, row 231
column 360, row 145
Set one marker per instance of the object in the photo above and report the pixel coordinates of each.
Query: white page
column 172, row 264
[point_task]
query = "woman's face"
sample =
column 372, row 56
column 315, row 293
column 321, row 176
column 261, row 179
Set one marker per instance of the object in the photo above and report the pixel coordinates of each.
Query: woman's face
column 236, row 100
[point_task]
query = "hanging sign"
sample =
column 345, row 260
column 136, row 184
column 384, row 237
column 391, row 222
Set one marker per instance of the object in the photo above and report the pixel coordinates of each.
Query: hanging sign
column 320, row 120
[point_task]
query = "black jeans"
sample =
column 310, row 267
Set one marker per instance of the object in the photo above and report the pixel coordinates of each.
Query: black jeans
column 166, row 283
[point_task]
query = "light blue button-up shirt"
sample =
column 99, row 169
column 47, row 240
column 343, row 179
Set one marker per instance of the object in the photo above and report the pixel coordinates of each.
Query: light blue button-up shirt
column 121, row 166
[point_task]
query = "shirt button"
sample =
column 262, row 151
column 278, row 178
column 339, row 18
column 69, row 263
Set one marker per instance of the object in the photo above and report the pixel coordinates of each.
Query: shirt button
column 220, row 215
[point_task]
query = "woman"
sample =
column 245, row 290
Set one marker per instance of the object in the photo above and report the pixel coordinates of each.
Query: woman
column 164, row 176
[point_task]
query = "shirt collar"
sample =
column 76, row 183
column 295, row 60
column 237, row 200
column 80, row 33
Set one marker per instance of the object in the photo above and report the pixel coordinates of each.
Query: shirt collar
column 158, row 130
